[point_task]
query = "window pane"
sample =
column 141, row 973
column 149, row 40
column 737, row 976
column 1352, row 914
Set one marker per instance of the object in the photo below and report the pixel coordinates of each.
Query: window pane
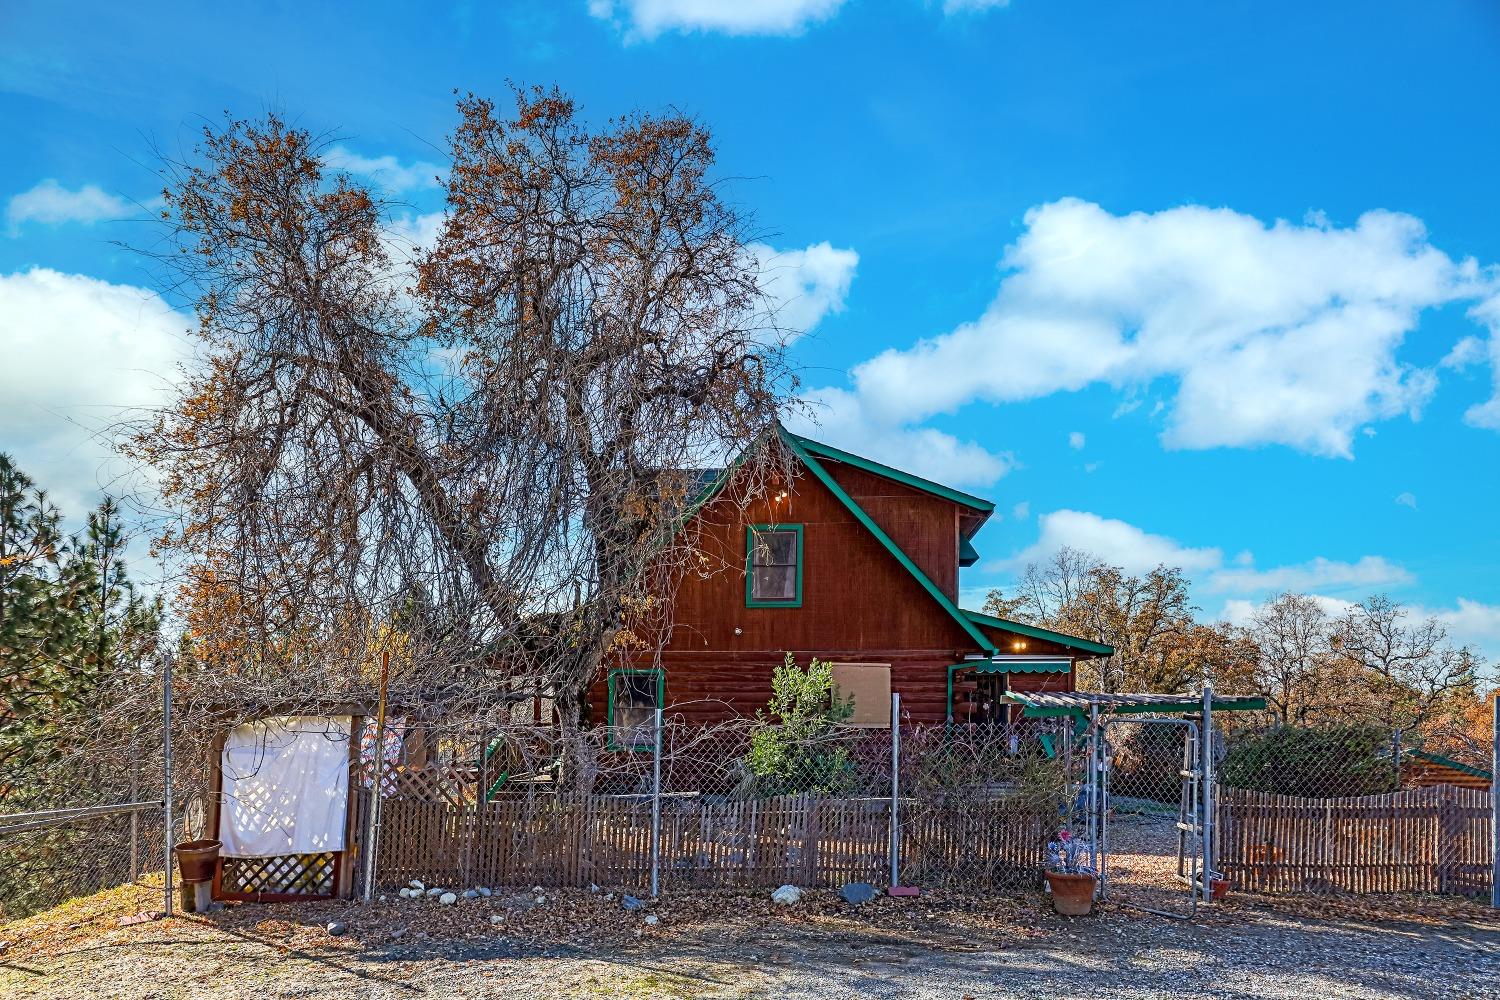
column 774, row 583
column 635, row 708
column 780, row 548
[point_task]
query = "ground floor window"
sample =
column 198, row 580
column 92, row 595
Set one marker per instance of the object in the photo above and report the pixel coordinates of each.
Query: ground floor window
column 869, row 685
column 634, row 697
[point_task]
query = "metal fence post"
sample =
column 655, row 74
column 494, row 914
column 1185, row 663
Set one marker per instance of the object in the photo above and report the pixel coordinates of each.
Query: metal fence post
column 1206, row 768
column 135, row 816
column 166, row 777
column 895, row 789
column 656, row 810
column 377, row 778
column 1495, row 810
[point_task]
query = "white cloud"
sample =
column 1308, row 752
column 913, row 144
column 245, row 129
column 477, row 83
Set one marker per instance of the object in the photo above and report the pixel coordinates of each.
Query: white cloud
column 386, row 171
column 1366, row 573
column 1487, row 414
column 805, row 285
column 1135, row 550
column 1271, row 334
column 1471, row 623
column 1407, row 499
column 1021, row 511
column 80, row 354
column 1239, row 611
column 835, row 418
column 649, row 18
column 49, row 203
column 1116, row 542
column 972, row 6
column 1076, row 440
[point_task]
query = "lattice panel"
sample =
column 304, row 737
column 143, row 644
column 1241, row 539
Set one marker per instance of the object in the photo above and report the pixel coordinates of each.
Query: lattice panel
column 284, row 875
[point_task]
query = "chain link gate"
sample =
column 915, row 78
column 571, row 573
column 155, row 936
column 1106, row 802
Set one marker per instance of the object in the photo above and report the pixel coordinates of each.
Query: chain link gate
column 1149, row 812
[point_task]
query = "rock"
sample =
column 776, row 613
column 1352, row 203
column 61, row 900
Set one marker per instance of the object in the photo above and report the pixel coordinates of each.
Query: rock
column 609, row 898
column 417, row 884
column 335, row 928
column 434, row 892
column 447, row 899
column 483, row 891
column 398, row 933
column 593, row 887
column 471, row 894
column 787, row 895
column 858, row 892
column 540, row 900
column 652, row 920
column 497, row 918
column 631, row 903
column 382, row 895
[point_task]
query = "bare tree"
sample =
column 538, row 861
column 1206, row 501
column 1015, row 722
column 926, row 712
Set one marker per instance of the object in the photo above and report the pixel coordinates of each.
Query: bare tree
column 1291, row 633
column 487, row 450
column 1409, row 669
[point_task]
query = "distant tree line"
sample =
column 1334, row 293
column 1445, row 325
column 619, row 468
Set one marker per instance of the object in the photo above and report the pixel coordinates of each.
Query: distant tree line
column 1373, row 663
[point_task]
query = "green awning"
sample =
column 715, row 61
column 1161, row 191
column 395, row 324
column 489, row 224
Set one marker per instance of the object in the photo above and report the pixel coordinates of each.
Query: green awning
column 1018, row 665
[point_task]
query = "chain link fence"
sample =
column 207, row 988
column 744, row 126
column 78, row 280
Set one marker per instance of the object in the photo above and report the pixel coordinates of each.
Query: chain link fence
column 734, row 804
column 1350, row 809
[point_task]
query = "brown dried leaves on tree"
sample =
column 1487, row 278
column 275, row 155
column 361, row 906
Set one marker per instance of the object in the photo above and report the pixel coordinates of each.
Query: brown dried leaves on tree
column 484, row 447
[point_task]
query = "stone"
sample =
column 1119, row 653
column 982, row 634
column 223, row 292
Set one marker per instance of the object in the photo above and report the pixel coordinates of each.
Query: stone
column 335, row 928
column 447, row 899
column 483, row 891
column 858, row 892
column 593, row 887
column 382, row 895
column 631, row 903
column 652, row 920
column 417, row 884
column 434, row 892
column 398, row 933
column 471, row 894
column 497, row 918
column 540, row 900
column 787, row 895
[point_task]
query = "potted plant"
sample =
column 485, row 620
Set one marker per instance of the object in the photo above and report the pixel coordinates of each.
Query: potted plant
column 1070, row 876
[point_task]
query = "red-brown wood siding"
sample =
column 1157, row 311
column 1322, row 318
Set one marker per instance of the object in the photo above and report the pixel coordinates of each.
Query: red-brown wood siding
column 858, row 603
column 924, row 526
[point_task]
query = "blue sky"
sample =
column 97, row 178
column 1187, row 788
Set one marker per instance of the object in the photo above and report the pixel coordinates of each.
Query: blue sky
column 1209, row 283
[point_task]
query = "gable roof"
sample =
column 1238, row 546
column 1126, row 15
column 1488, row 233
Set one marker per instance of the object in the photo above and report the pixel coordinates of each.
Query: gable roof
column 978, row 504
column 805, row 455
column 1037, row 632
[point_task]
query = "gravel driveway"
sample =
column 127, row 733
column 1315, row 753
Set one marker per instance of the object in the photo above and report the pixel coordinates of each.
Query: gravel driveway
column 577, row 944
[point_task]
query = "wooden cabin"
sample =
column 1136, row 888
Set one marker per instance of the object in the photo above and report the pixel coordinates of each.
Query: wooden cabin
column 853, row 562
column 1427, row 770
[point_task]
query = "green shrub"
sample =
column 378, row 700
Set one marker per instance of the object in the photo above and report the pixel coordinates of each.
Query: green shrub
column 794, row 747
column 1312, row 762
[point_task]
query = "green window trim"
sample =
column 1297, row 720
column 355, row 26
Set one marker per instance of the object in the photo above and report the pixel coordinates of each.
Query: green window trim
column 609, row 714
column 751, row 601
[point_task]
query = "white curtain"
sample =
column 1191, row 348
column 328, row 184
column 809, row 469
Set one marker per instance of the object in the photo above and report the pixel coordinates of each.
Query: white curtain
column 286, row 786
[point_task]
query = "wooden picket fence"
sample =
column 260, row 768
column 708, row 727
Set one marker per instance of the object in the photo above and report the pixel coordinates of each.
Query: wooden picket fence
column 706, row 842
column 1421, row 840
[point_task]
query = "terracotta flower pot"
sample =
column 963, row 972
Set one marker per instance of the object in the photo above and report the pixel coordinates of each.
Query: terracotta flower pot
column 1072, row 895
column 1218, row 888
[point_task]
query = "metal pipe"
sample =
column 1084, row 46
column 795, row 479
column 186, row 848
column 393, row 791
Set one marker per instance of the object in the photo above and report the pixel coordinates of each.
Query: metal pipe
column 1206, row 768
column 1495, row 811
column 166, row 777
column 377, row 779
column 895, row 789
column 656, row 810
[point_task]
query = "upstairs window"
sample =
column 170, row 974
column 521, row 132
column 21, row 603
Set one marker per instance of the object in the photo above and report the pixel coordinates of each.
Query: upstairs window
column 773, row 566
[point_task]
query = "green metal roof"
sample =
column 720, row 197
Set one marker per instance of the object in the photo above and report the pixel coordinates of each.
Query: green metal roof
column 1432, row 758
column 906, row 478
column 805, row 455
column 1037, row 632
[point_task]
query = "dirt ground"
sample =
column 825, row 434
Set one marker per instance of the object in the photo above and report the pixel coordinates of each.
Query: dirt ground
column 581, row 944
